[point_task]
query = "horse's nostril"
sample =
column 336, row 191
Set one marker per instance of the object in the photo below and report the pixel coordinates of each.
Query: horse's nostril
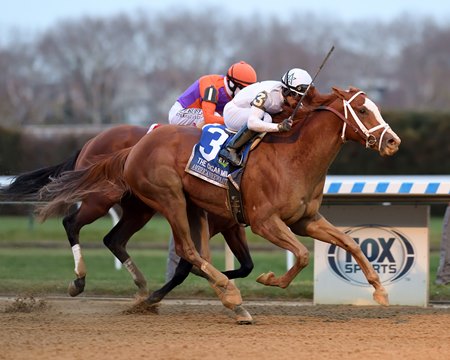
column 393, row 142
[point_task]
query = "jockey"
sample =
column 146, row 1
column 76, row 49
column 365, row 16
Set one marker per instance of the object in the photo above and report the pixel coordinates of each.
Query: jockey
column 203, row 102
column 250, row 111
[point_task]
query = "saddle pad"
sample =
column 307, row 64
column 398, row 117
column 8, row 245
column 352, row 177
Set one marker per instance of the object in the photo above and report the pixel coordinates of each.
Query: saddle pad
column 204, row 162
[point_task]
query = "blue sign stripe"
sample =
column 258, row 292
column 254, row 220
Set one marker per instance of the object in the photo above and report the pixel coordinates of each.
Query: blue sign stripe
column 432, row 188
column 381, row 187
column 334, row 188
column 385, row 186
column 405, row 188
column 358, row 187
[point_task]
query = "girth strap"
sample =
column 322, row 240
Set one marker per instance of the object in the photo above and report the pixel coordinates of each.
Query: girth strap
column 235, row 197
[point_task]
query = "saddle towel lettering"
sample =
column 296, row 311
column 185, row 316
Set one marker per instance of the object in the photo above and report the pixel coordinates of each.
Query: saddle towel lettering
column 204, row 162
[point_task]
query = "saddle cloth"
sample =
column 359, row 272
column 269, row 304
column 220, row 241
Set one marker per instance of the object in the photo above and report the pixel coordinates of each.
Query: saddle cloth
column 204, row 162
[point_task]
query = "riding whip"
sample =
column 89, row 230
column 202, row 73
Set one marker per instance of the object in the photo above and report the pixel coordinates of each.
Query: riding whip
column 314, row 78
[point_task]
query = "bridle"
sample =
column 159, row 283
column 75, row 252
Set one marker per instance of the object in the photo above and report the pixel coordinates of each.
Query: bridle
column 366, row 134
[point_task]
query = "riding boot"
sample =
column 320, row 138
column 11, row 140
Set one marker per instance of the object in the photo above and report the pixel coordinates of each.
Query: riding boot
column 237, row 141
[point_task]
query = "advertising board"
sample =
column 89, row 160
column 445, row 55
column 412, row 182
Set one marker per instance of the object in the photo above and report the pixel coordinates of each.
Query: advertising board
column 394, row 239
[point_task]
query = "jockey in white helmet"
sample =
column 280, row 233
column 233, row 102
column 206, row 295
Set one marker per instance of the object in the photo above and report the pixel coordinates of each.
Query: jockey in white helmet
column 250, row 112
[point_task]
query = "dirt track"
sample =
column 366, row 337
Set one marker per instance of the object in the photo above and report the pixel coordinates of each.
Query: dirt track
column 101, row 329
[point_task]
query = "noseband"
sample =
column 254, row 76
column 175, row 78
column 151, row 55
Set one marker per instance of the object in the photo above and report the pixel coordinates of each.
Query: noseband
column 365, row 133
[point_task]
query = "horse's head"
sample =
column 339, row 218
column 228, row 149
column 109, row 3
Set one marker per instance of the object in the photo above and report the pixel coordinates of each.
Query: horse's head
column 363, row 122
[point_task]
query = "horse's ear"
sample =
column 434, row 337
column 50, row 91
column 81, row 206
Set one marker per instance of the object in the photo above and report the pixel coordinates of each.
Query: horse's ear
column 339, row 92
column 353, row 89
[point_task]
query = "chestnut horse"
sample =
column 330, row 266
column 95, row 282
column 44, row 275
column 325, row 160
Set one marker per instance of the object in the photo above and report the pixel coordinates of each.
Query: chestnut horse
column 134, row 213
column 282, row 186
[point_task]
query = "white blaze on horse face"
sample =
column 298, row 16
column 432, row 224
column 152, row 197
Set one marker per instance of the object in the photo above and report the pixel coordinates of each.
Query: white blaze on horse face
column 369, row 104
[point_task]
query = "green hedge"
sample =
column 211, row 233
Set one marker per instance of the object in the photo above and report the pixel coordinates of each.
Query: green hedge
column 425, row 149
column 10, row 150
column 20, row 152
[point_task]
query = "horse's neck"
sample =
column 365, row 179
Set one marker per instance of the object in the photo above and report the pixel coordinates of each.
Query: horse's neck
column 312, row 145
column 320, row 139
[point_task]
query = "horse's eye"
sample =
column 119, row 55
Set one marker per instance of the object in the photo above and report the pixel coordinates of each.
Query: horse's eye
column 362, row 111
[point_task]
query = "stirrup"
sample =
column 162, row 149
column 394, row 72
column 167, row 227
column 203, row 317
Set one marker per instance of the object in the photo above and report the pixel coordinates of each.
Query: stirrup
column 231, row 157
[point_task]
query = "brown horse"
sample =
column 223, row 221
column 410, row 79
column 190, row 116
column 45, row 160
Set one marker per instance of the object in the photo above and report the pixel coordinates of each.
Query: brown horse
column 282, row 186
column 134, row 213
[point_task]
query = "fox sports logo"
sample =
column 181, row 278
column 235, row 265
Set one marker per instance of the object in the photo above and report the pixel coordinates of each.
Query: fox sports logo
column 391, row 254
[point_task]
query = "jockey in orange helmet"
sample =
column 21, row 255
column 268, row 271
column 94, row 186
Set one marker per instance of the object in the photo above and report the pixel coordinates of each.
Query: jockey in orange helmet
column 203, row 102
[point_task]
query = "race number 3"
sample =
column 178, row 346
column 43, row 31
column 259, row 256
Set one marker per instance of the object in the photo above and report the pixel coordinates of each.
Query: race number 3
column 215, row 137
column 259, row 100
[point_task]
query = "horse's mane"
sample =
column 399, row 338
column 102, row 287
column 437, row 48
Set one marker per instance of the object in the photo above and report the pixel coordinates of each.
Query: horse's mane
column 311, row 101
column 314, row 98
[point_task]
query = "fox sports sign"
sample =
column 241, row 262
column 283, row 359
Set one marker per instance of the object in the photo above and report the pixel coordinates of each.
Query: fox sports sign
column 390, row 252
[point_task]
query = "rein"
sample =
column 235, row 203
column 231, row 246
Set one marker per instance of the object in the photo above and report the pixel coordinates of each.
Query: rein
column 365, row 133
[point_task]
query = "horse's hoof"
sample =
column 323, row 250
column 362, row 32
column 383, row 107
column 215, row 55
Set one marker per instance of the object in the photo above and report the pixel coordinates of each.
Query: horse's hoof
column 141, row 295
column 265, row 278
column 230, row 296
column 243, row 317
column 381, row 297
column 142, row 307
column 153, row 299
column 76, row 287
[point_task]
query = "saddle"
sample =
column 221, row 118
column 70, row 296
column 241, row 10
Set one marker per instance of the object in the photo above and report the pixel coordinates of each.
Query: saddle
column 205, row 164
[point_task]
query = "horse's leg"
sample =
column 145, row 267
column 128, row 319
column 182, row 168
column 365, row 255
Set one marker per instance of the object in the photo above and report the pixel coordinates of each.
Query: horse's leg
column 234, row 235
column 91, row 209
column 76, row 286
column 201, row 241
column 184, row 267
column 321, row 229
column 135, row 215
column 276, row 231
column 200, row 234
column 237, row 242
column 181, row 273
column 185, row 248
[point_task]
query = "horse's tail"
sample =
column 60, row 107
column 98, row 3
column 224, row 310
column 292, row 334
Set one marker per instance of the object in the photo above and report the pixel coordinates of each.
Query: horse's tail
column 104, row 178
column 26, row 186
